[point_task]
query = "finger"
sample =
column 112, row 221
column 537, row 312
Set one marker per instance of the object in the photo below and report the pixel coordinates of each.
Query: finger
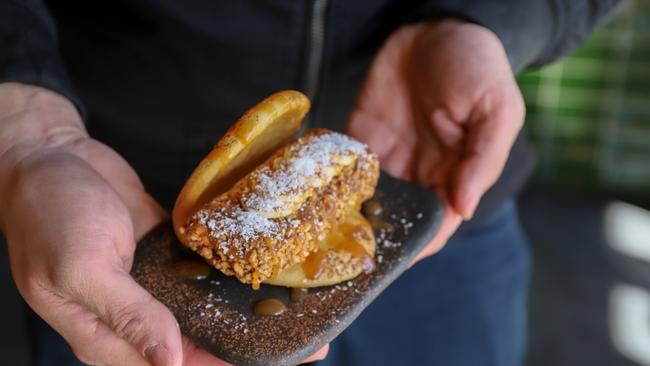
column 319, row 355
column 437, row 150
column 433, row 166
column 195, row 356
column 147, row 215
column 398, row 162
column 131, row 312
column 394, row 155
column 486, row 151
column 450, row 223
column 144, row 210
column 90, row 339
column 447, row 132
column 368, row 129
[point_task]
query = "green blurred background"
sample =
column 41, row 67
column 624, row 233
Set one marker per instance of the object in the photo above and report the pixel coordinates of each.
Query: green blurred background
column 589, row 115
column 589, row 118
column 587, row 209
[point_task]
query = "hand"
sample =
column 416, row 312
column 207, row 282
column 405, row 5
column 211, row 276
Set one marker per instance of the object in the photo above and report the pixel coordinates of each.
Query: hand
column 441, row 107
column 73, row 210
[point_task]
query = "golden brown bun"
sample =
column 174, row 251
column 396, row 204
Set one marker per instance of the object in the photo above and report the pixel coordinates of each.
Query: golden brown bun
column 252, row 139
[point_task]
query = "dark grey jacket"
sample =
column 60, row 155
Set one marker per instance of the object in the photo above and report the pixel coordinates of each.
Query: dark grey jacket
column 160, row 80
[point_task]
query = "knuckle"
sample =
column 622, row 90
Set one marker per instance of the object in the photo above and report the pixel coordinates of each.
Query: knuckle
column 76, row 278
column 130, row 323
column 69, row 277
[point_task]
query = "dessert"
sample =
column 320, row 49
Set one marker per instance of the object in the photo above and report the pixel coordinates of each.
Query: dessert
column 267, row 210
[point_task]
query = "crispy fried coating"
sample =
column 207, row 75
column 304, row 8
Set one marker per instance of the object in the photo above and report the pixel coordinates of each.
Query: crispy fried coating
column 275, row 216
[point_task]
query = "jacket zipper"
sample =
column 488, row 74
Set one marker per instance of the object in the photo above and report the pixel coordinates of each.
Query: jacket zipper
column 315, row 53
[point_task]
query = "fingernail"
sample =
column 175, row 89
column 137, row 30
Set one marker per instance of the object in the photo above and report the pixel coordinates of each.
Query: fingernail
column 158, row 355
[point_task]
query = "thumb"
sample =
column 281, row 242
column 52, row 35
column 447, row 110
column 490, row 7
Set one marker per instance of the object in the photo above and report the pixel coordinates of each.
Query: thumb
column 487, row 147
column 391, row 146
column 134, row 315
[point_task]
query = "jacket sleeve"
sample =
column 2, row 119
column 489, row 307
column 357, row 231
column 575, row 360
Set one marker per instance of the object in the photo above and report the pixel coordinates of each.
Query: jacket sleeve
column 29, row 48
column 533, row 32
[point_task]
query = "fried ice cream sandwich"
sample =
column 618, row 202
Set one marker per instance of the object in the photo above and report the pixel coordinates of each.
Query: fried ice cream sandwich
column 278, row 211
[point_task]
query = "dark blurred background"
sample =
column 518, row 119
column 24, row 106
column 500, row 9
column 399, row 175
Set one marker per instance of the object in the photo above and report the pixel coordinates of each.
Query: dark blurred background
column 585, row 210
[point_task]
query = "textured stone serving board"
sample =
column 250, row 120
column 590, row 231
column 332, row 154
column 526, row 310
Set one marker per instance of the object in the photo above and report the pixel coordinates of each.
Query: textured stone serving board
column 216, row 313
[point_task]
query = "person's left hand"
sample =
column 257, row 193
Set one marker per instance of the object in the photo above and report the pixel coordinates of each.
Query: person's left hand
column 441, row 107
column 72, row 212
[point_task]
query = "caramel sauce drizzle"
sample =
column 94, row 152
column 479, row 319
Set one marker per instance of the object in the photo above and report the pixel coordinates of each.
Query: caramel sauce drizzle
column 269, row 307
column 313, row 265
column 298, row 294
column 190, row 269
column 344, row 238
column 255, row 282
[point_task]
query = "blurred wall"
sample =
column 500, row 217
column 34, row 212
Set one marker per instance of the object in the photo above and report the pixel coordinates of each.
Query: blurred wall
column 589, row 115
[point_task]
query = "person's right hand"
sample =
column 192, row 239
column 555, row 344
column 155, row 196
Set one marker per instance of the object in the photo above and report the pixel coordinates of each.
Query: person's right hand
column 72, row 211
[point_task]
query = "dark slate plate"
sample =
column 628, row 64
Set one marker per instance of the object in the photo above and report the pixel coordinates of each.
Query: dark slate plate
column 216, row 313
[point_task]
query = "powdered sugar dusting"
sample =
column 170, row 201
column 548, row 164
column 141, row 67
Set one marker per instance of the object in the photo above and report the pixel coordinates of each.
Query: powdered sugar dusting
column 311, row 165
column 308, row 164
column 246, row 224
